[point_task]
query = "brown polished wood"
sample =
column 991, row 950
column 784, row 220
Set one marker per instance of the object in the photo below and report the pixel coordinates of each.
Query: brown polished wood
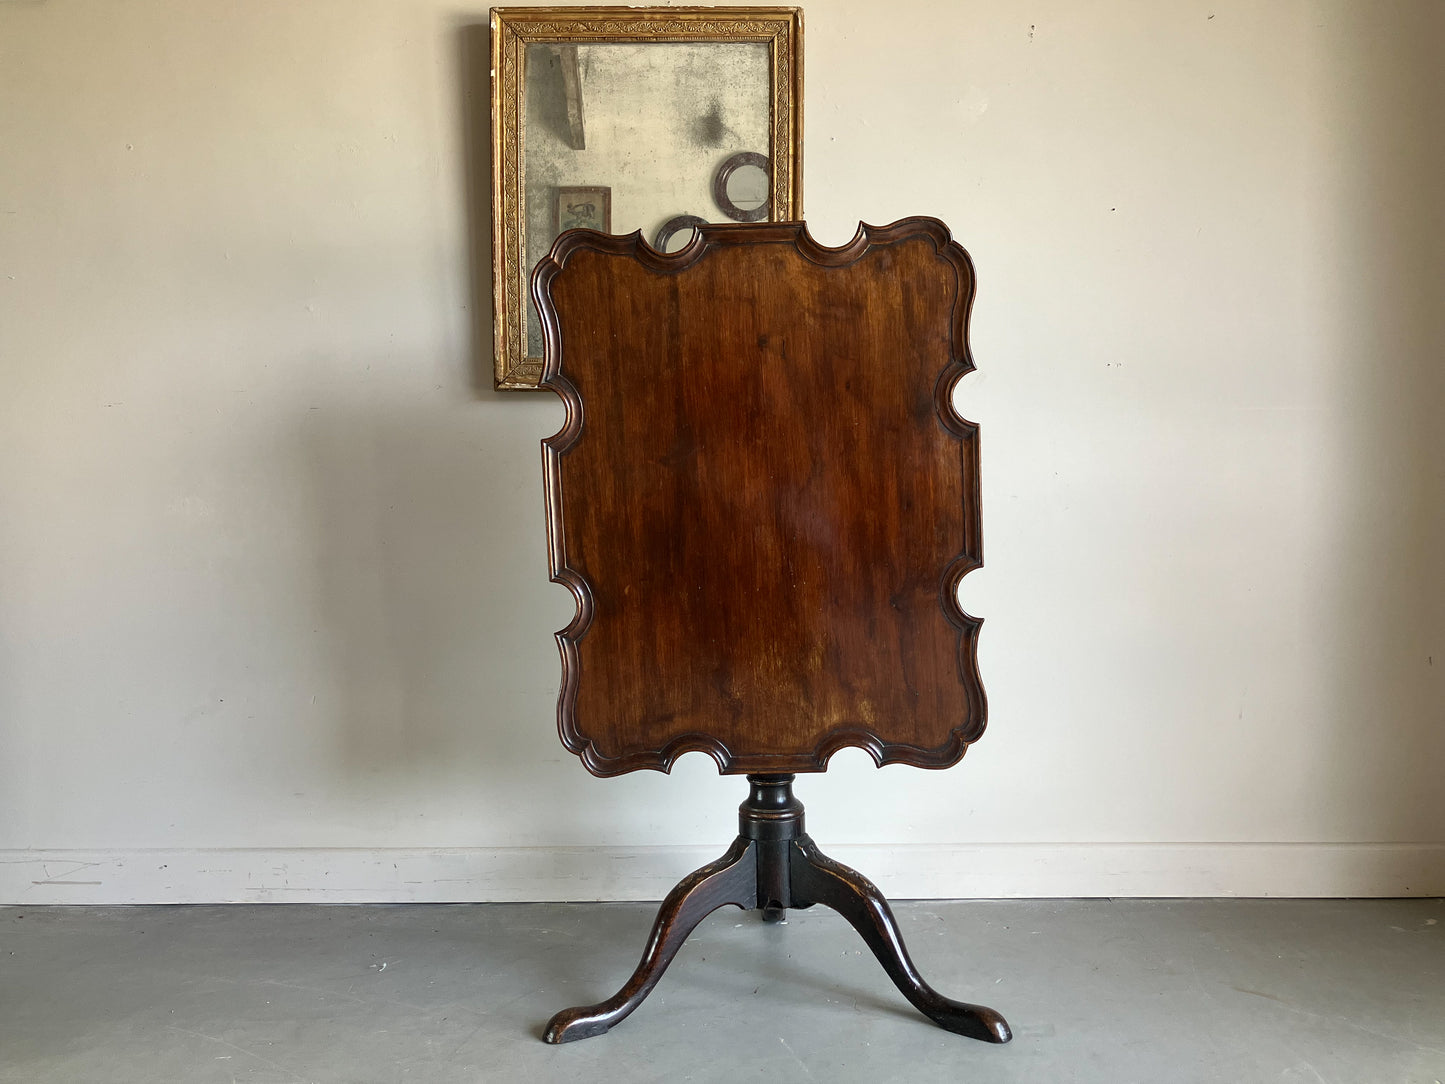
column 763, row 502
column 732, row 879
column 772, row 866
column 762, row 497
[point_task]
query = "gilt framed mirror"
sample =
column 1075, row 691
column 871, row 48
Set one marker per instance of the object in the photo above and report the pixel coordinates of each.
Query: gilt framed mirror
column 640, row 108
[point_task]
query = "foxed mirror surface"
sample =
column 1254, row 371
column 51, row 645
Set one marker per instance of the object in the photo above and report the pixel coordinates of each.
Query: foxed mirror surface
column 641, row 126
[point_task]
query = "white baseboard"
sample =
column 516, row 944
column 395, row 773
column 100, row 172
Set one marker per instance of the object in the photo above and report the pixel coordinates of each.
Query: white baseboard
column 515, row 874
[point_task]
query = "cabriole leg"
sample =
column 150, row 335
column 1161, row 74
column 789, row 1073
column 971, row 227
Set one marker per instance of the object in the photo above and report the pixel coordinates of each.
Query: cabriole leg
column 818, row 879
column 731, row 879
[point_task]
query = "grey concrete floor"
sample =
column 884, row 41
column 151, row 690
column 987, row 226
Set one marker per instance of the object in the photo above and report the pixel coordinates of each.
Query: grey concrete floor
column 1107, row 991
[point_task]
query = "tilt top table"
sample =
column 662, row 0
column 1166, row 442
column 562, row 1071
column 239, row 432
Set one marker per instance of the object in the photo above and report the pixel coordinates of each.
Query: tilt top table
column 763, row 502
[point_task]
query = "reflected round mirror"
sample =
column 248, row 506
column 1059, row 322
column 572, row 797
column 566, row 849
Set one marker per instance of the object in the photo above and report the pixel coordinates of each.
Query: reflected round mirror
column 740, row 187
column 677, row 233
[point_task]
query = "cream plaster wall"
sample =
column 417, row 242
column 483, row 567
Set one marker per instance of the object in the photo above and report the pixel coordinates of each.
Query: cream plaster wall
column 274, row 614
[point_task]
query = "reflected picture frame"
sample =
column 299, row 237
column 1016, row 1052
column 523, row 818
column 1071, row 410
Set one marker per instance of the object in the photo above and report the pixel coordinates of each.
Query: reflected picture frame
column 583, row 208
column 514, row 29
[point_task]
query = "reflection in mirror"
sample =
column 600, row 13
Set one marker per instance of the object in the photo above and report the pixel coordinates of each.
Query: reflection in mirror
column 648, row 123
column 677, row 233
column 619, row 119
column 740, row 188
column 747, row 189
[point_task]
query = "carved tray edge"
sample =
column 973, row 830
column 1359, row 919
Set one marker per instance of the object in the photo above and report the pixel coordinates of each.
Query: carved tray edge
column 662, row 760
column 554, row 447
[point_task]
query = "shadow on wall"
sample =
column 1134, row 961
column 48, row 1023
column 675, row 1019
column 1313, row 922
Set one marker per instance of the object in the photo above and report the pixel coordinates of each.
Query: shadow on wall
column 431, row 561
column 436, row 611
column 1384, row 587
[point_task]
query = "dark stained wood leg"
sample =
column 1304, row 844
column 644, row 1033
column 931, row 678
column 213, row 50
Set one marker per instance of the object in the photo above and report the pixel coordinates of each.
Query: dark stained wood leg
column 733, row 879
column 816, row 878
column 773, row 866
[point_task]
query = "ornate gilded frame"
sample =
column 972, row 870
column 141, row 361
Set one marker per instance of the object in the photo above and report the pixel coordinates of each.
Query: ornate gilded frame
column 513, row 29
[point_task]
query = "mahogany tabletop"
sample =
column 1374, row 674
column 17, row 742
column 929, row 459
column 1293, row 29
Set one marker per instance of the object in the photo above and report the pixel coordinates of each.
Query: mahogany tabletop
column 762, row 498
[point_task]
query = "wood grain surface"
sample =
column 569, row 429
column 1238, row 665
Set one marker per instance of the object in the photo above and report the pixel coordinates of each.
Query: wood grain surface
column 762, row 497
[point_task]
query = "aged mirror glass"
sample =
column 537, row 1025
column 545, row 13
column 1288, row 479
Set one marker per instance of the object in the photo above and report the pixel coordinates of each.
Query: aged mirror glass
column 623, row 119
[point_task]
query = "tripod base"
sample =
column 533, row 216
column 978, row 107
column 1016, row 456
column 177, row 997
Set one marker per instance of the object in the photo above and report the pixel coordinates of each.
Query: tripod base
column 771, row 866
